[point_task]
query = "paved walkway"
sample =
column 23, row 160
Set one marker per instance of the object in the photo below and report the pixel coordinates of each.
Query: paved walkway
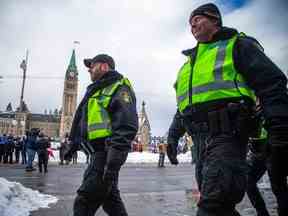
column 146, row 189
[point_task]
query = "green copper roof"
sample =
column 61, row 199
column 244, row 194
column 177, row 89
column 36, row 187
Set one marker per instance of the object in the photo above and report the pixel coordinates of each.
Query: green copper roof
column 72, row 65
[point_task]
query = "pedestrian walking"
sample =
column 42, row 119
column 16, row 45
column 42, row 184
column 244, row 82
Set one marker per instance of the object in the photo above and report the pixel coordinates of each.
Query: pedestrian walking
column 105, row 124
column 23, row 150
column 9, row 149
column 64, row 146
column 31, row 146
column 3, row 141
column 42, row 150
column 18, row 147
column 162, row 151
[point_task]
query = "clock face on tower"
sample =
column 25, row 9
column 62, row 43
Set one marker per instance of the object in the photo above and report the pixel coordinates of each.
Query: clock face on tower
column 72, row 74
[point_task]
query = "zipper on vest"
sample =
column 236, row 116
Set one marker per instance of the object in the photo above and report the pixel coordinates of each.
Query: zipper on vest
column 192, row 63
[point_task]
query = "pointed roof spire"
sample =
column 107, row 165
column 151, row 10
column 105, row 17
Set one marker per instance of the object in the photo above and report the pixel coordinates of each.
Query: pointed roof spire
column 72, row 64
column 143, row 118
column 72, row 68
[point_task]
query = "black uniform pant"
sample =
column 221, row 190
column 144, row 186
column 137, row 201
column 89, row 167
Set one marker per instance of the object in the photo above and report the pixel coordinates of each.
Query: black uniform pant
column 199, row 144
column 279, row 173
column 257, row 169
column 221, row 169
column 222, row 176
column 94, row 193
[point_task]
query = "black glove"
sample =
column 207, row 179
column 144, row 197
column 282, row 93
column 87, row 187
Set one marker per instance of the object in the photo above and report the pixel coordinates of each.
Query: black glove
column 172, row 153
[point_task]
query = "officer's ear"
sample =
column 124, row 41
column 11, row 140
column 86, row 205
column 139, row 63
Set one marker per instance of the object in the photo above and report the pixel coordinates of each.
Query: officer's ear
column 104, row 67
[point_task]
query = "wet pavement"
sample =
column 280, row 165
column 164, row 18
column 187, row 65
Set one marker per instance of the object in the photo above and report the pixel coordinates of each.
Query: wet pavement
column 146, row 189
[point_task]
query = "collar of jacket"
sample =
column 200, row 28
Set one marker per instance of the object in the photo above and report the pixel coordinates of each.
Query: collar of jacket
column 223, row 34
column 106, row 80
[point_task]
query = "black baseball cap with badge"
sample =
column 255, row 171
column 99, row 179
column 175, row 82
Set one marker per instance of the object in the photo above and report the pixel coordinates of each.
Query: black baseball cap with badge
column 102, row 58
column 209, row 10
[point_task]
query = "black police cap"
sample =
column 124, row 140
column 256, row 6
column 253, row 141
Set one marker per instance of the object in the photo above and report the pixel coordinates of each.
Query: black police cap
column 102, row 58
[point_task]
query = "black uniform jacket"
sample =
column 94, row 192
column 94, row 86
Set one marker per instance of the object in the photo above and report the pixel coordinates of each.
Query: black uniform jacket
column 122, row 110
column 260, row 73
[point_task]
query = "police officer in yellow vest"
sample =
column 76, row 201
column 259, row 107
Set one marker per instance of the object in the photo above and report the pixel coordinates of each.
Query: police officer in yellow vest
column 216, row 90
column 105, row 124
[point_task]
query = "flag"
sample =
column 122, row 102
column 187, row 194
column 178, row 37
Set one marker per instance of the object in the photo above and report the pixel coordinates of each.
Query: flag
column 23, row 65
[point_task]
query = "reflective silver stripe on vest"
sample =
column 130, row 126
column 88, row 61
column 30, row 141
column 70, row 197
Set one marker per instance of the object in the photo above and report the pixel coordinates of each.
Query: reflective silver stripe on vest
column 99, row 126
column 220, row 85
column 182, row 97
column 102, row 125
column 220, row 58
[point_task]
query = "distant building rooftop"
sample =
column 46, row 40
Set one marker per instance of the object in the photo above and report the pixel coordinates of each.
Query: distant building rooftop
column 7, row 115
column 45, row 117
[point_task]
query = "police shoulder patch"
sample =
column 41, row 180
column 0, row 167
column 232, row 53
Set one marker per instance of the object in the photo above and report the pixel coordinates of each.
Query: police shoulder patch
column 125, row 96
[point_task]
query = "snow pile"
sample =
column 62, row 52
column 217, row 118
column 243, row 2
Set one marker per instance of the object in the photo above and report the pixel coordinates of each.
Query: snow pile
column 133, row 157
column 148, row 157
column 16, row 200
column 142, row 157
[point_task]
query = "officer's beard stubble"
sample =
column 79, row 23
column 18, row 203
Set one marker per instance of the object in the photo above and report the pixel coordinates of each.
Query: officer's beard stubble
column 96, row 74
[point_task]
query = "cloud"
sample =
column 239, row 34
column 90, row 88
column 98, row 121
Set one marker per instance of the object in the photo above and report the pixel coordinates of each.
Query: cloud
column 144, row 37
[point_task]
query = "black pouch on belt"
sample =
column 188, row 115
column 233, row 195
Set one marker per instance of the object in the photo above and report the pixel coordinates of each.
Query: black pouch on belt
column 219, row 122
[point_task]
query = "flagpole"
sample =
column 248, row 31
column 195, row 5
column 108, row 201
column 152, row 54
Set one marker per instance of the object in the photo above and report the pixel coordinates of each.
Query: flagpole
column 24, row 67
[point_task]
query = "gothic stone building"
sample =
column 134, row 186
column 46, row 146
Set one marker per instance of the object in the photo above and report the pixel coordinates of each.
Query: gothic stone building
column 143, row 138
column 55, row 124
column 58, row 123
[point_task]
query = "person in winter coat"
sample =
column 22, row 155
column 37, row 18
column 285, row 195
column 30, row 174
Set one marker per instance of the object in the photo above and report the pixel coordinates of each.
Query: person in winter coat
column 3, row 141
column 9, row 149
column 105, row 124
column 23, row 150
column 31, row 146
column 64, row 147
column 18, row 147
column 42, row 151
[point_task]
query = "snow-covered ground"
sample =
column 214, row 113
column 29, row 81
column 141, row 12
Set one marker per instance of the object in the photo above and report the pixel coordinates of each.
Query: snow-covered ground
column 17, row 200
column 133, row 157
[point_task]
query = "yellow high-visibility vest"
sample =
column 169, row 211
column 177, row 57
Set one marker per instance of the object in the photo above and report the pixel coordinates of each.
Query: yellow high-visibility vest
column 213, row 76
column 98, row 119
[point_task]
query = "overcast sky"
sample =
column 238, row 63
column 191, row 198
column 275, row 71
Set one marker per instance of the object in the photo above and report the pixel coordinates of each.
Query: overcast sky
column 144, row 37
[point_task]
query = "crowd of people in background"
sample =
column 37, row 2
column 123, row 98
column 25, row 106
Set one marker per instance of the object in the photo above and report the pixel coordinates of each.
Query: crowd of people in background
column 10, row 149
column 23, row 149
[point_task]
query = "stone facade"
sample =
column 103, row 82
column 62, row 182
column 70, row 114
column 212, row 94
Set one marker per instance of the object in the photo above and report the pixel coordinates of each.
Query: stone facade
column 143, row 137
column 55, row 124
